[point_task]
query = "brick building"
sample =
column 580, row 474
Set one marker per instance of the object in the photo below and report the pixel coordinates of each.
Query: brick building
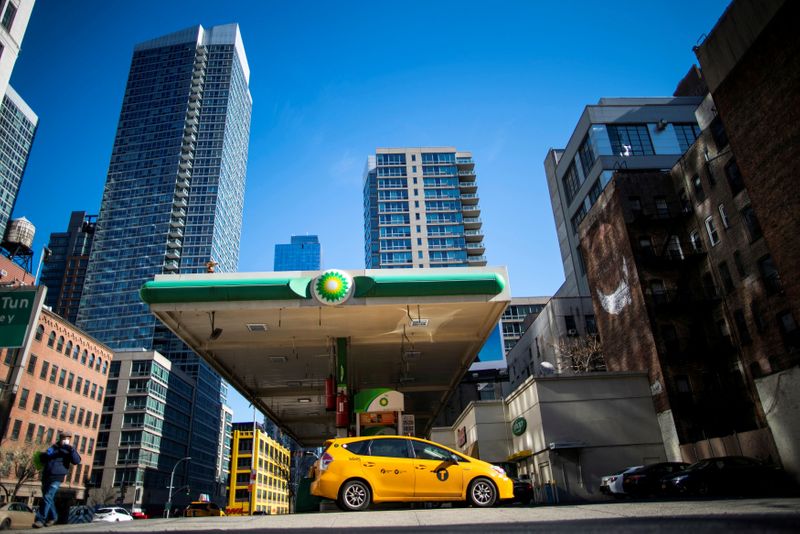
column 685, row 287
column 751, row 64
column 60, row 376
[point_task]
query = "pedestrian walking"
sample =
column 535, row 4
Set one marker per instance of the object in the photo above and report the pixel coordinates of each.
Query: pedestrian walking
column 56, row 461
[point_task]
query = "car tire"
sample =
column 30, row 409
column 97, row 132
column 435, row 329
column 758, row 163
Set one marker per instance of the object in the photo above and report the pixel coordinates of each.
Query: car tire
column 6, row 524
column 482, row 493
column 354, row 496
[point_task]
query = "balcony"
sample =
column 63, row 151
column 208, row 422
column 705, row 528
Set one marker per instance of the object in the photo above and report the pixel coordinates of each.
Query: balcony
column 172, row 254
column 472, row 222
column 183, row 183
column 196, row 97
column 192, row 112
column 467, row 174
column 177, row 223
column 673, row 257
column 174, row 243
column 440, row 209
column 181, row 193
column 170, row 265
column 184, row 174
column 471, row 210
column 186, row 165
column 468, row 187
column 469, row 198
column 477, row 259
column 475, row 248
column 187, row 155
column 473, row 235
column 194, row 104
column 178, row 202
column 178, row 213
column 683, row 301
column 191, row 123
column 464, row 162
column 175, row 233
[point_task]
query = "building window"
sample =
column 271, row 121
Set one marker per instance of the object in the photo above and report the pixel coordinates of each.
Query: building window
column 751, row 223
column 29, row 432
column 737, row 260
column 725, row 274
column 713, row 236
column 569, row 324
column 51, row 340
column 734, row 176
column 39, row 332
column 587, row 155
column 630, row 139
column 687, row 134
column 757, row 318
column 741, row 327
column 769, row 274
column 31, row 364
column 694, row 238
column 571, row 183
column 718, row 133
column 662, row 209
column 23, row 398
column 724, row 216
column 697, row 187
column 8, row 16
column 789, row 330
column 60, row 344
column 15, row 429
column 37, row 402
column 635, row 204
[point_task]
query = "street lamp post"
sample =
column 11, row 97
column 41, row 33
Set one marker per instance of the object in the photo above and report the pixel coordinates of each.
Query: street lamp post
column 171, row 480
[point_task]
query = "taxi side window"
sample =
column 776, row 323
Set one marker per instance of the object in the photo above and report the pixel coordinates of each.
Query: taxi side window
column 390, row 447
column 426, row 451
column 358, row 447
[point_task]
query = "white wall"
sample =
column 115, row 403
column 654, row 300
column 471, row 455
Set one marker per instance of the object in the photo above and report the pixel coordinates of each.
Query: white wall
column 780, row 397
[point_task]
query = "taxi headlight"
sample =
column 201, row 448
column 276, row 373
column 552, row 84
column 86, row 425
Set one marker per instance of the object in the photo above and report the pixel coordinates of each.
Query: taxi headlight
column 499, row 470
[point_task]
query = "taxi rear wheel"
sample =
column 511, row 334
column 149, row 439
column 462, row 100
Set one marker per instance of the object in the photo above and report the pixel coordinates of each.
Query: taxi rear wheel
column 354, row 496
column 482, row 493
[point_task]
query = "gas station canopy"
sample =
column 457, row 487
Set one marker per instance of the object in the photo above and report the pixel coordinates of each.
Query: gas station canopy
column 277, row 336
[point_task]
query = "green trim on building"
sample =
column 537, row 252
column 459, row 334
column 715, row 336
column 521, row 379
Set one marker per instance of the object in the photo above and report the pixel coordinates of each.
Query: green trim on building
column 168, row 291
column 382, row 285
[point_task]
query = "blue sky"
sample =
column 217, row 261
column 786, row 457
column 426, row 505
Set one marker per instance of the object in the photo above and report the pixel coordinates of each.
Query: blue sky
column 331, row 81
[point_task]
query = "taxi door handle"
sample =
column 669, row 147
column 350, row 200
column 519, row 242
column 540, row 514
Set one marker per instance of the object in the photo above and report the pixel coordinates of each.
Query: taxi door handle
column 369, row 464
column 421, row 467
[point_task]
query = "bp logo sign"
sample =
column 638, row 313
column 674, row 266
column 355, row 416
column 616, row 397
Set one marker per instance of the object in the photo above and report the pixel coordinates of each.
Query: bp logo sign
column 333, row 287
column 518, row 426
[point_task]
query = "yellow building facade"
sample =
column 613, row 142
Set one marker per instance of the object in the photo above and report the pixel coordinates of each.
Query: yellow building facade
column 259, row 483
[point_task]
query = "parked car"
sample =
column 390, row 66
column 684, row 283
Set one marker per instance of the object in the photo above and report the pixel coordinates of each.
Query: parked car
column 112, row 514
column 16, row 515
column 523, row 490
column 138, row 514
column 612, row 484
column 732, row 475
column 203, row 509
column 646, row 480
column 358, row 471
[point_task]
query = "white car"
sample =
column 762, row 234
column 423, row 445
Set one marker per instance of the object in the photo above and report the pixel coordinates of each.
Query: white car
column 612, row 484
column 112, row 514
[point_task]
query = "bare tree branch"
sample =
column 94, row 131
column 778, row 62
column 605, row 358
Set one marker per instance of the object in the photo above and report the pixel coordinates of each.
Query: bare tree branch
column 579, row 354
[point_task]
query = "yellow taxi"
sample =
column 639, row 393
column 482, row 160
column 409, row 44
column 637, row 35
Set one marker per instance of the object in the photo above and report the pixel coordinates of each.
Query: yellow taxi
column 358, row 471
column 203, row 509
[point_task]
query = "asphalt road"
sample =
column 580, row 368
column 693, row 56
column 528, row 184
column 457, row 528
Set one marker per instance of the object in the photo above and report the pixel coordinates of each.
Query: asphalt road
column 723, row 516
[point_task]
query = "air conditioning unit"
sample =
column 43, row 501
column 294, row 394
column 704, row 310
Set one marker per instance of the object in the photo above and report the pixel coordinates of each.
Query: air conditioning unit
column 419, row 322
column 257, row 327
column 411, row 355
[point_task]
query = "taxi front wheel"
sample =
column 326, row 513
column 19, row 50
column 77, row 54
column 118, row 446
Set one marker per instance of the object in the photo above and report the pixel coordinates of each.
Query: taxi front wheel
column 482, row 493
column 354, row 496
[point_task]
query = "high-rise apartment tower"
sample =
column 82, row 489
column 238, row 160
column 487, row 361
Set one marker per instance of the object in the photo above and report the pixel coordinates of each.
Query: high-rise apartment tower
column 173, row 201
column 302, row 254
column 421, row 209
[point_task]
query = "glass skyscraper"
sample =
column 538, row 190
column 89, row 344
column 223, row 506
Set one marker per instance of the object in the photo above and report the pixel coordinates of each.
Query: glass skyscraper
column 173, row 201
column 65, row 270
column 303, row 253
column 421, row 209
column 17, row 128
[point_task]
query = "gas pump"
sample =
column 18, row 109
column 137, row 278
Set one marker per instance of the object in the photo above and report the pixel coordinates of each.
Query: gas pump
column 379, row 411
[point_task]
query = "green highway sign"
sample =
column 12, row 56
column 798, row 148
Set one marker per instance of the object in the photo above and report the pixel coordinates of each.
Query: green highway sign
column 16, row 307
